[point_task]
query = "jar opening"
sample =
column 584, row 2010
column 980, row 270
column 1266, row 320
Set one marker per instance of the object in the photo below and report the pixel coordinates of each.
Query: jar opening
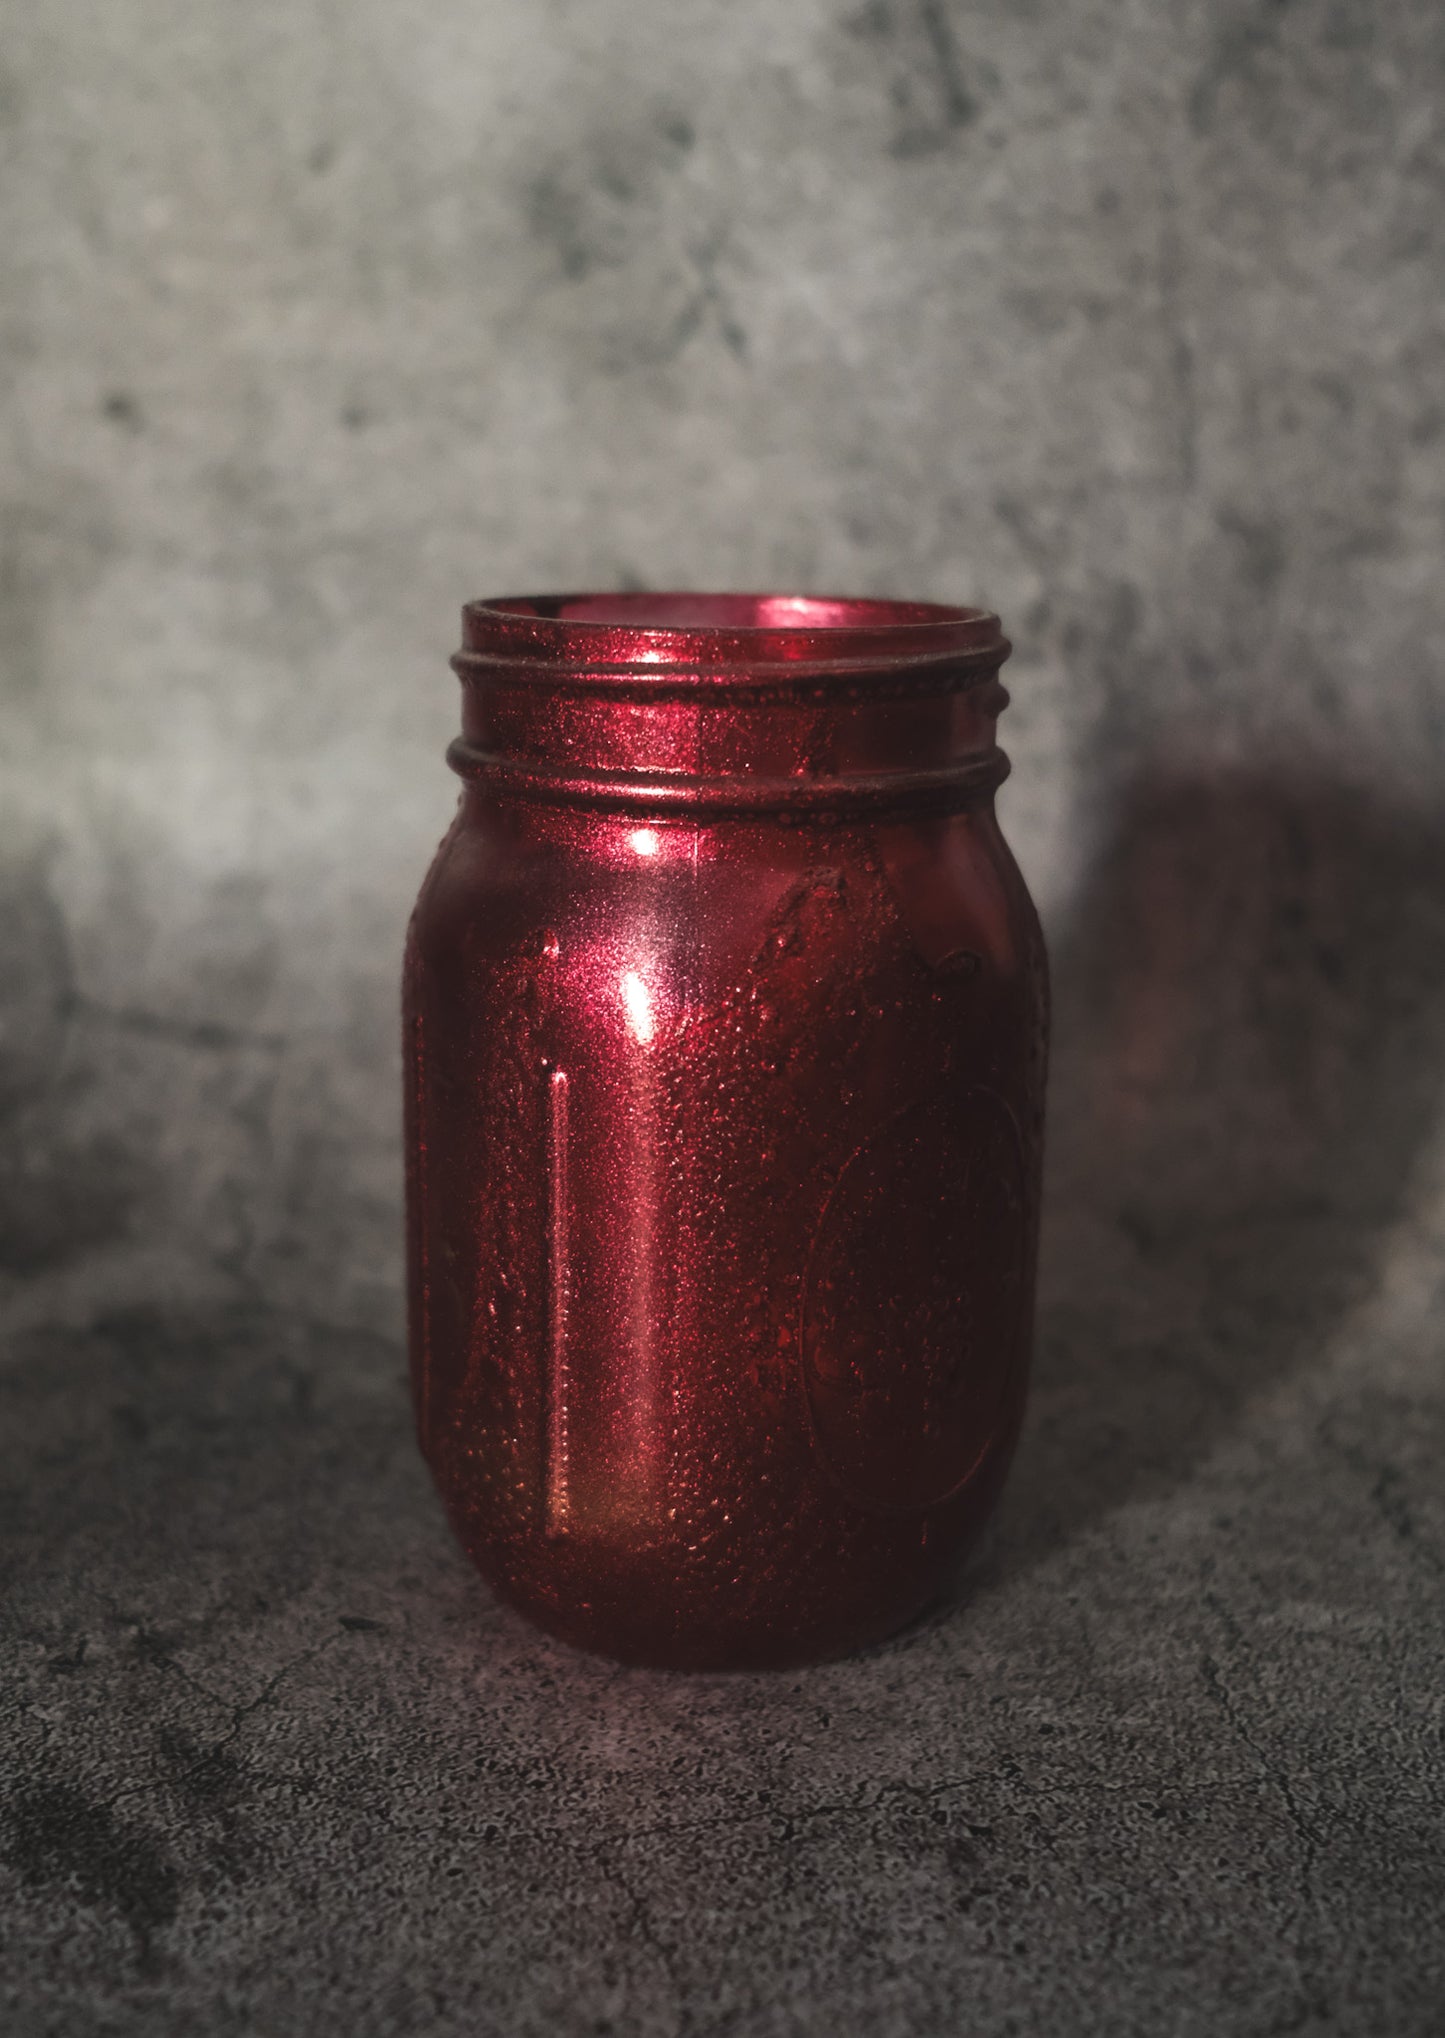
column 729, row 613
column 724, row 634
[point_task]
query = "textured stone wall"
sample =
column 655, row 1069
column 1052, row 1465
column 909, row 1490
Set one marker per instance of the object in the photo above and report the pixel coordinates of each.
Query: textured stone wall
column 318, row 319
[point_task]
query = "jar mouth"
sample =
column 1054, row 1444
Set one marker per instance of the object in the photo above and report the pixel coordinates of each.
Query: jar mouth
column 723, row 630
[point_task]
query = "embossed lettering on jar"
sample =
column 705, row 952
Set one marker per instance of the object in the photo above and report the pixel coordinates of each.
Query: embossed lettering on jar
column 725, row 1011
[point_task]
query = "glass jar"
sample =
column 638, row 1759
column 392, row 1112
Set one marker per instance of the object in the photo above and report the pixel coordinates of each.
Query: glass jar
column 725, row 1016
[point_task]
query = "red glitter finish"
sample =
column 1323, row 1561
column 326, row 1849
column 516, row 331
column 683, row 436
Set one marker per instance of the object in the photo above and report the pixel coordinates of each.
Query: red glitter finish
column 725, row 1009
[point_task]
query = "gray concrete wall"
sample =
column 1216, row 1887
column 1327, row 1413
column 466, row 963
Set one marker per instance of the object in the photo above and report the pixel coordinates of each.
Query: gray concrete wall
column 1125, row 319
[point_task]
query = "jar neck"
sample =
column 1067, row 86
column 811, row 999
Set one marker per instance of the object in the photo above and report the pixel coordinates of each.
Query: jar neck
column 731, row 703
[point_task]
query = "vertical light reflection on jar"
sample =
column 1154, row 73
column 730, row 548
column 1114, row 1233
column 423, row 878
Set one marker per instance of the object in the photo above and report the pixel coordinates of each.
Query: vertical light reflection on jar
column 645, row 1428
column 637, row 1003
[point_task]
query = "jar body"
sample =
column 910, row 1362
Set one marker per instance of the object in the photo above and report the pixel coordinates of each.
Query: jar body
column 724, row 1103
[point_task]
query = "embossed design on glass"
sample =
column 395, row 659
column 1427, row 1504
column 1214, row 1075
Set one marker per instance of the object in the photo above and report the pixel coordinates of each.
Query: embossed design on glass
column 907, row 1355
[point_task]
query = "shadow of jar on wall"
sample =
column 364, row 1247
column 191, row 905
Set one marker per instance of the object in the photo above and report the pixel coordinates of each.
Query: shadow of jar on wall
column 1249, row 1052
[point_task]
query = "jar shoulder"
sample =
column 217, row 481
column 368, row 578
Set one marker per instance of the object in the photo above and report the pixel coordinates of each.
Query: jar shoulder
column 949, row 891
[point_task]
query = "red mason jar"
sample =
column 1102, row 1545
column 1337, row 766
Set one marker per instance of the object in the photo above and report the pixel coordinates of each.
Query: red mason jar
column 725, row 1009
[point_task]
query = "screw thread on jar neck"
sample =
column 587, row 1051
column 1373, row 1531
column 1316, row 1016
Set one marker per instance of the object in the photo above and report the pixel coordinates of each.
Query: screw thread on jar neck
column 731, row 703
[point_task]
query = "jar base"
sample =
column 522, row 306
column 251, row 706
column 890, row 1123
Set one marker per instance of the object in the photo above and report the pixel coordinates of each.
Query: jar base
column 657, row 1642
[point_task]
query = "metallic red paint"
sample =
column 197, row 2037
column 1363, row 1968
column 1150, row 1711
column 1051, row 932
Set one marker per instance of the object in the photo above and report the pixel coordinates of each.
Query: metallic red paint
column 725, row 1010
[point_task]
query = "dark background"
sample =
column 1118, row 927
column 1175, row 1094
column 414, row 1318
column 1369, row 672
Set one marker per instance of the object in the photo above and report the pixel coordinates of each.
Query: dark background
column 1126, row 320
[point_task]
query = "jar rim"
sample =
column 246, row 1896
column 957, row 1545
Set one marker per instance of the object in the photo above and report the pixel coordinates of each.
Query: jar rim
column 723, row 629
